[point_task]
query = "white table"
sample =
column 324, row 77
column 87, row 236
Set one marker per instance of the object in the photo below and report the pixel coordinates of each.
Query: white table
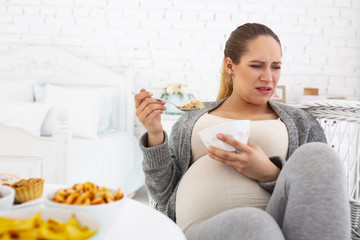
column 136, row 221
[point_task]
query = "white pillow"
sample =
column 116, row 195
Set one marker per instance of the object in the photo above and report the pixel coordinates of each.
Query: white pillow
column 83, row 106
column 27, row 115
column 106, row 109
column 16, row 90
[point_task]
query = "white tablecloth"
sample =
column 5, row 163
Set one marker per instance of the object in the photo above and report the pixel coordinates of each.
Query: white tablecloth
column 136, row 221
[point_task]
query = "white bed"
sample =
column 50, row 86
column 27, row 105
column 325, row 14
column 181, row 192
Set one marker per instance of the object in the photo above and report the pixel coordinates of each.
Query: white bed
column 79, row 129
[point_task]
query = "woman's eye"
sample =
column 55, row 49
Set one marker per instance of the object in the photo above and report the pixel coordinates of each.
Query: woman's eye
column 276, row 67
column 255, row 66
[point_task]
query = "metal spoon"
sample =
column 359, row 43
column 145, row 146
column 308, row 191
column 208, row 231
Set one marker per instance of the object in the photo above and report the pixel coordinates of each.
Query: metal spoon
column 178, row 107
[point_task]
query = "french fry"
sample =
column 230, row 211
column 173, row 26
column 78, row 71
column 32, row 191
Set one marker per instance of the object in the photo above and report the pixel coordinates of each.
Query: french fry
column 119, row 194
column 81, row 198
column 97, row 201
column 87, row 201
column 71, row 198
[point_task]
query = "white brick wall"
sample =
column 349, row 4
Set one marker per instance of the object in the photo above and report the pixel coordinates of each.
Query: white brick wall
column 182, row 40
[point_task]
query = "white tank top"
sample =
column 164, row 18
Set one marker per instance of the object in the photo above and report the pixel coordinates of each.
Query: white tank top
column 210, row 187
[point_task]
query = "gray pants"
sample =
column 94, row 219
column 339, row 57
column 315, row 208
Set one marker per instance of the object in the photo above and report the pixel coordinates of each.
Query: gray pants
column 309, row 202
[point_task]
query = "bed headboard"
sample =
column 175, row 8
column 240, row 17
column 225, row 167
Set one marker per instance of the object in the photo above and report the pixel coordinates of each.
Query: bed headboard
column 53, row 65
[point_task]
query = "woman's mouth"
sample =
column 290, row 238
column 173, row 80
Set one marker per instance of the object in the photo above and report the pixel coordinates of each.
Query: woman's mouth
column 264, row 90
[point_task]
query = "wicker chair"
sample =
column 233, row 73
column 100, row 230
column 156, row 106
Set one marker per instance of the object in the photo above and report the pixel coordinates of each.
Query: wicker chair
column 341, row 122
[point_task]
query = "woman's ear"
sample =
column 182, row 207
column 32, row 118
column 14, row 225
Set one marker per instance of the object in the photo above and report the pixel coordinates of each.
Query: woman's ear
column 229, row 66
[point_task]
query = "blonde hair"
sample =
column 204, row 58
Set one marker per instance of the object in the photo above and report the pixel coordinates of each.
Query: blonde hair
column 236, row 47
column 226, row 84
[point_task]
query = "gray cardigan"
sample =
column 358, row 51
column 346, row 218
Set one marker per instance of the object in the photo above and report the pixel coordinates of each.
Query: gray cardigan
column 165, row 164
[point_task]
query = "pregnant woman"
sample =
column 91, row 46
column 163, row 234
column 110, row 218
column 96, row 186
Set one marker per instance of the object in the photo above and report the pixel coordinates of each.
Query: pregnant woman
column 285, row 183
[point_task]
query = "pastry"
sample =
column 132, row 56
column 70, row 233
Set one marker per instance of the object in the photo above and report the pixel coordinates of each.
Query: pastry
column 28, row 189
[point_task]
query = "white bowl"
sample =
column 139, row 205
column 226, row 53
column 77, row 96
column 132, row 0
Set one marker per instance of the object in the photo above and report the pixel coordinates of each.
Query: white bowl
column 62, row 215
column 237, row 129
column 106, row 213
column 7, row 195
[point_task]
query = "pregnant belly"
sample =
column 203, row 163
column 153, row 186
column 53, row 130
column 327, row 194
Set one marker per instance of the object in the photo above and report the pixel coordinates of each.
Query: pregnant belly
column 210, row 187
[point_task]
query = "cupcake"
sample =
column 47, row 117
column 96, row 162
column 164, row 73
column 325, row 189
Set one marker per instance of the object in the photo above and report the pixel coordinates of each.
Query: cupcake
column 28, row 189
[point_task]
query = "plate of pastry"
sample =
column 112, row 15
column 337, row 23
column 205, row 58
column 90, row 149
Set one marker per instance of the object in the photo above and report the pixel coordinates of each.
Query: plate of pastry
column 27, row 191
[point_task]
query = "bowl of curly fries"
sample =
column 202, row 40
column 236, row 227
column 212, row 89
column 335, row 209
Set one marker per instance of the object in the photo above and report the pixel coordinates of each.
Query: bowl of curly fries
column 102, row 203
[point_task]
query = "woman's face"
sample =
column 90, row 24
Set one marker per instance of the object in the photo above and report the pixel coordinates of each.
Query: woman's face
column 258, row 72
